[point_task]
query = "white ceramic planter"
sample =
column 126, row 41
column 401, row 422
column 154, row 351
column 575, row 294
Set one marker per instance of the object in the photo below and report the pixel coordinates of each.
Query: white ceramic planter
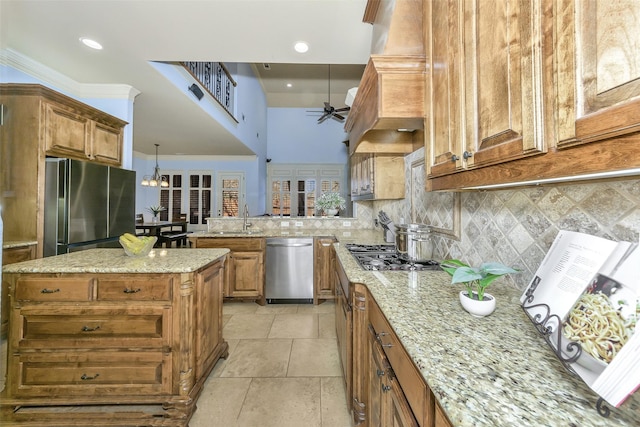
column 331, row 212
column 478, row 308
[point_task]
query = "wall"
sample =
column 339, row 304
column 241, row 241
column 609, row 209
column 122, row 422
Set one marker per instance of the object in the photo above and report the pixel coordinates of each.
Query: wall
column 517, row 226
column 295, row 136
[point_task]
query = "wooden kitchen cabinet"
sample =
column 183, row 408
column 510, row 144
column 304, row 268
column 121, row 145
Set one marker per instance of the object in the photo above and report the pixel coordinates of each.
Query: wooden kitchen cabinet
column 377, row 177
column 323, row 269
column 93, row 339
column 486, row 99
column 39, row 122
column 598, row 70
column 74, row 133
column 12, row 255
column 580, row 66
column 245, row 265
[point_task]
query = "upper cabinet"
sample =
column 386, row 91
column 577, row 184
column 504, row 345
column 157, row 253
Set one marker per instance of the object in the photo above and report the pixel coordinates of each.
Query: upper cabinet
column 486, row 97
column 598, row 60
column 389, row 104
column 528, row 91
column 82, row 134
column 39, row 122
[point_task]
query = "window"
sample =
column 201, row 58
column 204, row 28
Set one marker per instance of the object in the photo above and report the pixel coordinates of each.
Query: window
column 200, row 193
column 293, row 189
column 230, row 195
column 171, row 197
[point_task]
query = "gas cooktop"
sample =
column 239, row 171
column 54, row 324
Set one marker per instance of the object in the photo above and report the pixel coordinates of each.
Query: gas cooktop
column 386, row 258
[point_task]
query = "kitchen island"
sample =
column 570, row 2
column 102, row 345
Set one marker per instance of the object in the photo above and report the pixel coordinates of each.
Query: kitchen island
column 494, row 371
column 99, row 338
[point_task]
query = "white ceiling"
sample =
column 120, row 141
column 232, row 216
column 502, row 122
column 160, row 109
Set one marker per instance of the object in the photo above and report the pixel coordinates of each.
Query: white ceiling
column 243, row 31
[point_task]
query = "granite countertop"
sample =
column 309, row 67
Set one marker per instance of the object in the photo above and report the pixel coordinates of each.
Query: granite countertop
column 494, row 371
column 116, row 261
column 8, row 244
column 344, row 234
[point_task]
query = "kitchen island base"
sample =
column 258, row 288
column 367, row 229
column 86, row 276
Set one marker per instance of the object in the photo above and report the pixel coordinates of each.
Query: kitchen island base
column 128, row 343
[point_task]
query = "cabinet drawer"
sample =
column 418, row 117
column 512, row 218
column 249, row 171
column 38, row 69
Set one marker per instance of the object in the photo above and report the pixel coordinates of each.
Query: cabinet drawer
column 66, row 327
column 90, row 374
column 53, row 289
column 410, row 379
column 148, row 288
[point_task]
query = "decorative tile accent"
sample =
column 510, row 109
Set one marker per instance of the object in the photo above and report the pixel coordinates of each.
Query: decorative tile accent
column 516, row 226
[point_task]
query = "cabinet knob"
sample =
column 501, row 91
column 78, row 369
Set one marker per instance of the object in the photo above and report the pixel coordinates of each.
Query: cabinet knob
column 454, row 158
column 467, row 154
column 379, row 372
column 385, row 388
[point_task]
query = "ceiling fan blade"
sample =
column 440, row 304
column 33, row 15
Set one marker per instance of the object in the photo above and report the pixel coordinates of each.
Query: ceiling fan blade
column 340, row 110
column 338, row 116
column 324, row 117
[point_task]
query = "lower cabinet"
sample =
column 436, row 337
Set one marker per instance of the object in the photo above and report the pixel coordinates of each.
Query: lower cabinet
column 245, row 265
column 323, row 267
column 385, row 387
column 10, row 256
column 97, row 341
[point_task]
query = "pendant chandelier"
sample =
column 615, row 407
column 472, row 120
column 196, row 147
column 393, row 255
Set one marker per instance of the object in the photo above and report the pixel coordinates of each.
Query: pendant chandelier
column 156, row 179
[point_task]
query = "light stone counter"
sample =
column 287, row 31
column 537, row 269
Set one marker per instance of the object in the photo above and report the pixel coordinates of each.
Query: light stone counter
column 8, row 244
column 373, row 236
column 494, row 371
column 116, row 261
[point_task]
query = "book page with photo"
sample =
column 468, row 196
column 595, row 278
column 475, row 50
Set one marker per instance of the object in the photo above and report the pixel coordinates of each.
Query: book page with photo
column 587, row 291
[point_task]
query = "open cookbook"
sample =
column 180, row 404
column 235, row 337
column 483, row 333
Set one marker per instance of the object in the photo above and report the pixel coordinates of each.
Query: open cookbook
column 585, row 299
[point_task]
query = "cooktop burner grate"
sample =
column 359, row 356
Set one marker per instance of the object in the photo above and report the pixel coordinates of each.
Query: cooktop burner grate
column 386, row 258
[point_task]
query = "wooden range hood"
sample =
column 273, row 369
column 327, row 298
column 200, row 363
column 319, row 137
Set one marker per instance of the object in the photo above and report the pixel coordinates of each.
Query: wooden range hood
column 389, row 104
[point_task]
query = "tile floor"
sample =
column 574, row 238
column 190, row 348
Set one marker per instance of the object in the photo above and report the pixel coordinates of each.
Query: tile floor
column 283, row 370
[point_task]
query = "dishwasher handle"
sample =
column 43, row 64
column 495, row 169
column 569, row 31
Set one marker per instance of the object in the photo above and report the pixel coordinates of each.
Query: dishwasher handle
column 289, row 245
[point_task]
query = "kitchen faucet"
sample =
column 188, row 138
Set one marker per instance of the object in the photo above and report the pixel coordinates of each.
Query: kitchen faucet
column 245, row 215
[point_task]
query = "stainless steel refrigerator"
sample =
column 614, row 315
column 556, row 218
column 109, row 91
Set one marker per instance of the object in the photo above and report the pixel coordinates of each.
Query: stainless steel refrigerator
column 86, row 205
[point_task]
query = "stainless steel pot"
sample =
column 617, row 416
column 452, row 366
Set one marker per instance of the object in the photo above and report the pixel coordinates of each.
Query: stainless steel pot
column 413, row 242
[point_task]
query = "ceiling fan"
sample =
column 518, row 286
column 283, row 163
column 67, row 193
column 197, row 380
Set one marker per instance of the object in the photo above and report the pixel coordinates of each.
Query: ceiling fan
column 329, row 110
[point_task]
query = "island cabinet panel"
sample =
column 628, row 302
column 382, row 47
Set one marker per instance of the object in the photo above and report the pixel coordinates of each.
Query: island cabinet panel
column 150, row 288
column 50, row 288
column 598, row 60
column 58, row 376
column 98, row 340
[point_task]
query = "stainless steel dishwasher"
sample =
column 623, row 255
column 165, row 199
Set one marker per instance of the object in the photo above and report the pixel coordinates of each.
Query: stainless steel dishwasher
column 289, row 270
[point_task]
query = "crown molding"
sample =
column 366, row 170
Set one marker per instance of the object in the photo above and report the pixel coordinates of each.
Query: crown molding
column 20, row 62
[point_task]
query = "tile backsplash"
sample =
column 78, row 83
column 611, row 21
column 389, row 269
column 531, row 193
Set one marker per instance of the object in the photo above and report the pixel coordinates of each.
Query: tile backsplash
column 514, row 226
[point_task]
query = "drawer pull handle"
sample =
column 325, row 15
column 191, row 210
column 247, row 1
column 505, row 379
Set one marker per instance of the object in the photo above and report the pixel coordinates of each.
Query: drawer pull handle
column 49, row 291
column 88, row 329
column 385, row 388
column 86, row 377
column 379, row 372
column 131, row 291
column 387, row 345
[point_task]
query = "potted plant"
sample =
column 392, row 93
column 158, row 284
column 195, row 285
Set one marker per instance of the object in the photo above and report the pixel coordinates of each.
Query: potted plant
column 476, row 279
column 330, row 202
column 155, row 210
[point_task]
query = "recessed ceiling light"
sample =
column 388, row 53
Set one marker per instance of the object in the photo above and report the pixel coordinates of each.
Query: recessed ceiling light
column 301, row 47
column 91, row 43
column 289, row 85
